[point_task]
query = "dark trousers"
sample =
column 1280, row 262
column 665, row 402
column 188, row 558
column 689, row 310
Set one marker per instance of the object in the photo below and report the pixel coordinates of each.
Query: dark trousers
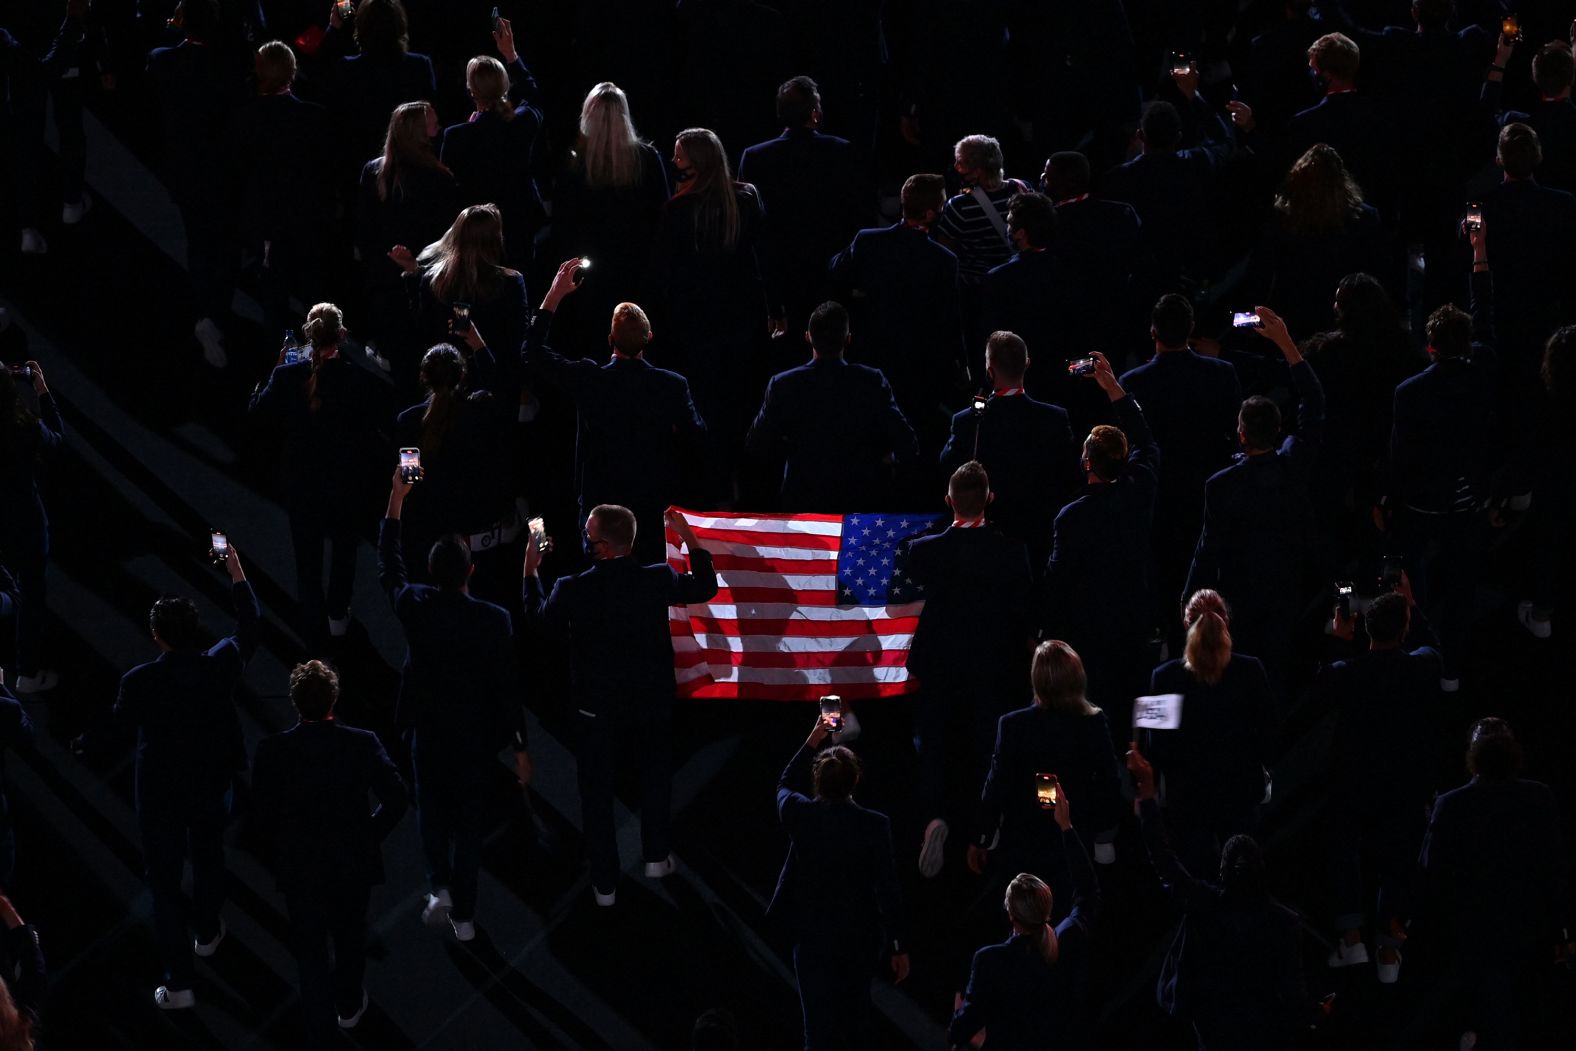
column 168, row 839
column 26, row 556
column 67, row 96
column 834, row 991
column 328, row 937
column 954, row 735
column 602, row 749
column 309, row 530
column 1444, row 556
column 448, row 816
column 210, row 262
column 1389, row 843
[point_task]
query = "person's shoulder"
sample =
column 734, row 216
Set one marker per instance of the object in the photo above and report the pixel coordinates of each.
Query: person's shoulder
column 1048, row 411
column 1020, row 717
column 1170, row 671
column 959, row 201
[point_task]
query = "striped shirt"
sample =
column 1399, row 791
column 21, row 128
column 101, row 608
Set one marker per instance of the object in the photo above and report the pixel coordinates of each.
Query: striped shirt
column 976, row 243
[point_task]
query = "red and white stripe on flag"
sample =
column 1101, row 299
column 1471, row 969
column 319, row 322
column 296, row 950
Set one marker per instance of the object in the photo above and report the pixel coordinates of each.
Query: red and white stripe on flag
column 775, row 631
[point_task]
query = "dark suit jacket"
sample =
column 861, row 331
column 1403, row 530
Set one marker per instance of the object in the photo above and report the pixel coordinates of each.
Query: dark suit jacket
column 1236, row 961
column 907, row 286
column 1022, row 1002
column 976, row 614
column 284, row 197
column 1173, row 194
column 1214, row 762
column 1097, row 578
column 637, row 422
column 16, row 731
column 1190, row 403
column 1555, row 122
column 324, row 454
column 1494, row 864
column 460, row 692
column 1442, row 443
column 310, row 788
column 1099, row 243
column 1530, row 282
column 196, row 91
column 1035, row 295
column 807, row 182
column 614, row 620
column 493, row 159
column 1360, row 128
column 1258, row 517
column 1027, row 448
column 837, row 422
column 1029, row 741
column 839, row 883
column 182, row 707
column 366, row 89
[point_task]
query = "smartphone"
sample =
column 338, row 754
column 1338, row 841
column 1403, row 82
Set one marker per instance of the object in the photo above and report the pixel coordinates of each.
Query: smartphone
column 580, row 274
column 1344, row 590
column 1390, row 572
column 832, row 709
column 1180, row 64
column 1045, row 787
column 22, row 372
column 346, row 9
column 538, row 530
column 1082, row 367
column 979, row 402
column 410, row 465
column 1510, row 28
column 219, row 546
column 495, row 20
column 1474, row 217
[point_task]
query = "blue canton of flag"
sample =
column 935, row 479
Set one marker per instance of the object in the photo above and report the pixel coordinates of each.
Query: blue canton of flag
column 872, row 559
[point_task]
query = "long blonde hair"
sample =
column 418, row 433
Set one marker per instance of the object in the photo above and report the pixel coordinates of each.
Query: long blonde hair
column 608, row 149
column 406, row 146
column 468, row 258
column 717, row 217
column 1208, row 652
column 488, row 83
column 1028, row 903
column 1060, row 683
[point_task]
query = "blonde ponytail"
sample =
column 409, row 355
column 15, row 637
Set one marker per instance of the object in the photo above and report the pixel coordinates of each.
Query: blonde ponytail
column 325, row 326
column 1028, row 904
column 1208, row 649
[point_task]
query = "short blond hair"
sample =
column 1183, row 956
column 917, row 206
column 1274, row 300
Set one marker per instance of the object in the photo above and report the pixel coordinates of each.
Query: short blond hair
column 275, row 66
column 631, row 329
column 1336, row 55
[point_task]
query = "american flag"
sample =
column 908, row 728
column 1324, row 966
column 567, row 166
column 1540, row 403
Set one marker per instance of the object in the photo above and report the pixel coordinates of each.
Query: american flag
column 807, row 605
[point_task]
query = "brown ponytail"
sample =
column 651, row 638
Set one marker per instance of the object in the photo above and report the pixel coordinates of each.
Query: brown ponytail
column 324, row 328
column 443, row 374
column 1208, row 636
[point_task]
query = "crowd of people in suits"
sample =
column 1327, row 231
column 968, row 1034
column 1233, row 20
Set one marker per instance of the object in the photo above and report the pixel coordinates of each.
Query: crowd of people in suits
column 1295, row 200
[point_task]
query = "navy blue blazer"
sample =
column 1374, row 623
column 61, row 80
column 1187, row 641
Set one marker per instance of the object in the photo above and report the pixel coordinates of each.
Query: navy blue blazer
column 839, row 427
column 1214, row 762
column 1258, row 516
column 1032, row 740
column 1097, row 578
column 637, row 425
column 908, row 286
column 1022, row 1002
column 1027, row 448
column 1555, row 122
column 976, row 614
column 1442, row 441
column 365, row 89
column 283, row 196
column 196, row 91
column 324, row 454
column 16, row 731
column 1036, row 295
column 1530, row 283
column 1236, row 960
column 1172, row 194
column 1494, row 864
column 182, row 706
column 1190, row 403
column 1361, row 129
column 1099, row 243
column 460, row 692
column 839, row 882
column 310, row 785
column 493, row 159
column 808, row 186
column 613, row 619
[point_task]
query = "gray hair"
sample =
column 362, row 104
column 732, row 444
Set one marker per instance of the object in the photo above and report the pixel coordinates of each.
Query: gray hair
column 984, row 153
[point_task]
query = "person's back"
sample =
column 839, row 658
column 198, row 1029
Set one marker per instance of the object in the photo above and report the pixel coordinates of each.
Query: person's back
column 1190, row 403
column 195, row 91
column 282, row 195
column 1214, row 760
column 976, row 585
column 1526, row 218
column 1074, row 746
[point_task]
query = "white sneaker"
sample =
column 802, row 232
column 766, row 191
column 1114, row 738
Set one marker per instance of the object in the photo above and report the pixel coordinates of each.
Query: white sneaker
column 206, row 949
column 211, row 337
column 350, row 1022
column 1390, row 972
column 1449, row 685
column 464, row 930
column 659, row 869
column 337, row 626
column 605, row 900
column 71, row 214
column 42, row 681
column 436, row 912
column 1540, row 628
column 1344, row 955
column 1105, row 853
column 931, row 851
column 174, row 999
column 33, row 242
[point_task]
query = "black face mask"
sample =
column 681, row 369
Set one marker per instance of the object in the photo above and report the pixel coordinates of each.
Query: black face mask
column 684, row 175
